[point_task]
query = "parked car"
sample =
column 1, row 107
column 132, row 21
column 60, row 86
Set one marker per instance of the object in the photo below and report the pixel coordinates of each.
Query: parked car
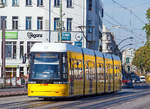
column 142, row 79
column 127, row 83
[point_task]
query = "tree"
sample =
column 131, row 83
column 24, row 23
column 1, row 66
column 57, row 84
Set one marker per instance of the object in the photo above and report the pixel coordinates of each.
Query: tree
column 147, row 26
column 142, row 59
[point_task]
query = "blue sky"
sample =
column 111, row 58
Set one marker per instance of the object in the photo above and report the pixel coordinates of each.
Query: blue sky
column 130, row 14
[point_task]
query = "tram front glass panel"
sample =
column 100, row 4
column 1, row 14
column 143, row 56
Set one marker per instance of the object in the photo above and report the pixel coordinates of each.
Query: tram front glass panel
column 48, row 67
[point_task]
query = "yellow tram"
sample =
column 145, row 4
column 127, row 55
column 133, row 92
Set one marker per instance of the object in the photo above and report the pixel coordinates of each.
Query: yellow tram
column 63, row 70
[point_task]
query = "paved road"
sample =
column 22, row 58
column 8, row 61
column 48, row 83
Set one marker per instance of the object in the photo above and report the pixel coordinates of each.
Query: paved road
column 138, row 98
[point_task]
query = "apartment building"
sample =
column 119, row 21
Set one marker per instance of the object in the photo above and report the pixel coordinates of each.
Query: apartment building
column 31, row 21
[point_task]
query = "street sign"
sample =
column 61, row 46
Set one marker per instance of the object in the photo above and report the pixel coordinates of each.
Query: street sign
column 79, row 44
column 78, row 36
column 66, row 36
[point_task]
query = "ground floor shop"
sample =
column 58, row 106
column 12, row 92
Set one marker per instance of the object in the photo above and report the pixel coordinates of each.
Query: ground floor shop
column 17, row 48
column 18, row 45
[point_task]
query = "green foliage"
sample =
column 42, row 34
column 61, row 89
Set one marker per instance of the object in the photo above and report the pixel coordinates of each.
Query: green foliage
column 142, row 58
column 147, row 26
column 142, row 55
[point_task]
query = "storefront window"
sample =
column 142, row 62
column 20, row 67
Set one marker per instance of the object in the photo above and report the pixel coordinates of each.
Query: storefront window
column 21, row 72
column 11, row 76
column 29, row 45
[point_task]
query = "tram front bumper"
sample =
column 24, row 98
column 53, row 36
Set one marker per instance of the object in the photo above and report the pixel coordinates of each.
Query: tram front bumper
column 47, row 90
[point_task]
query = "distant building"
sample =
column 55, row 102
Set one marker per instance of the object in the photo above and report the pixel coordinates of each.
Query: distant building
column 108, row 42
column 32, row 21
column 127, row 58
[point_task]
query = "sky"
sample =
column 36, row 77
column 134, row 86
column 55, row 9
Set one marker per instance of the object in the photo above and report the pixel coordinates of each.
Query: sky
column 126, row 18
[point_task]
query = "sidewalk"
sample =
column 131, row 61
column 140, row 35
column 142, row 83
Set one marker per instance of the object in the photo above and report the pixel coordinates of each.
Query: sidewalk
column 12, row 92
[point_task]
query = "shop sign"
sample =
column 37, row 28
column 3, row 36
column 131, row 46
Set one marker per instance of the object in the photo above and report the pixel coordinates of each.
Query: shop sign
column 11, row 35
column 66, row 36
column 11, row 66
column 79, row 44
column 33, row 35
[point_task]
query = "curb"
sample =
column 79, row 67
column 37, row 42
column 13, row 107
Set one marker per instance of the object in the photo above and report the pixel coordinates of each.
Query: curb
column 8, row 94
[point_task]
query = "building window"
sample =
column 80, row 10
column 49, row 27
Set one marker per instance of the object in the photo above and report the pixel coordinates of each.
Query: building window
column 29, row 45
column 11, row 50
column 90, row 5
column 39, row 2
column 1, row 21
column 56, row 21
column 15, row 3
column 90, row 29
column 21, row 49
column 69, row 3
column 109, row 38
column 28, row 2
column 4, row 2
column 28, row 23
column 56, row 3
column 40, row 23
column 69, row 24
column 14, row 22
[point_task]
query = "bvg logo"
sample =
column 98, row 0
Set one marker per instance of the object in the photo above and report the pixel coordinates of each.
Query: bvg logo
column 31, row 35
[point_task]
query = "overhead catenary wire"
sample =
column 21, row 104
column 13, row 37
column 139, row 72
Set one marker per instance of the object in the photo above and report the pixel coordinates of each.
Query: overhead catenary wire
column 121, row 26
column 131, row 11
column 125, row 29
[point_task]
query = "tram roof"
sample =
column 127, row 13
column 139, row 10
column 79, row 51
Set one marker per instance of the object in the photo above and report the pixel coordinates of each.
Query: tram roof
column 106, row 55
column 88, row 51
column 99, row 54
column 54, row 47
column 63, row 47
column 116, row 57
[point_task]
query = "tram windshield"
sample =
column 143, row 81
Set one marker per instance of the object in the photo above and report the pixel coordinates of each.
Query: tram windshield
column 47, row 66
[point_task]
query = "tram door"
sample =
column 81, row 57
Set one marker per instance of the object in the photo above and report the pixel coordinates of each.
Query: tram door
column 71, row 74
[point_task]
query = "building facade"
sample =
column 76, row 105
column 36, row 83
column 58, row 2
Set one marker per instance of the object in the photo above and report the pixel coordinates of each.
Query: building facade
column 31, row 21
column 87, row 14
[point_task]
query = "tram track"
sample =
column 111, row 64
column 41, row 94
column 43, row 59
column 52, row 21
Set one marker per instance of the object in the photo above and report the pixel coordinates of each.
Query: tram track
column 81, row 103
column 99, row 103
column 23, row 104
